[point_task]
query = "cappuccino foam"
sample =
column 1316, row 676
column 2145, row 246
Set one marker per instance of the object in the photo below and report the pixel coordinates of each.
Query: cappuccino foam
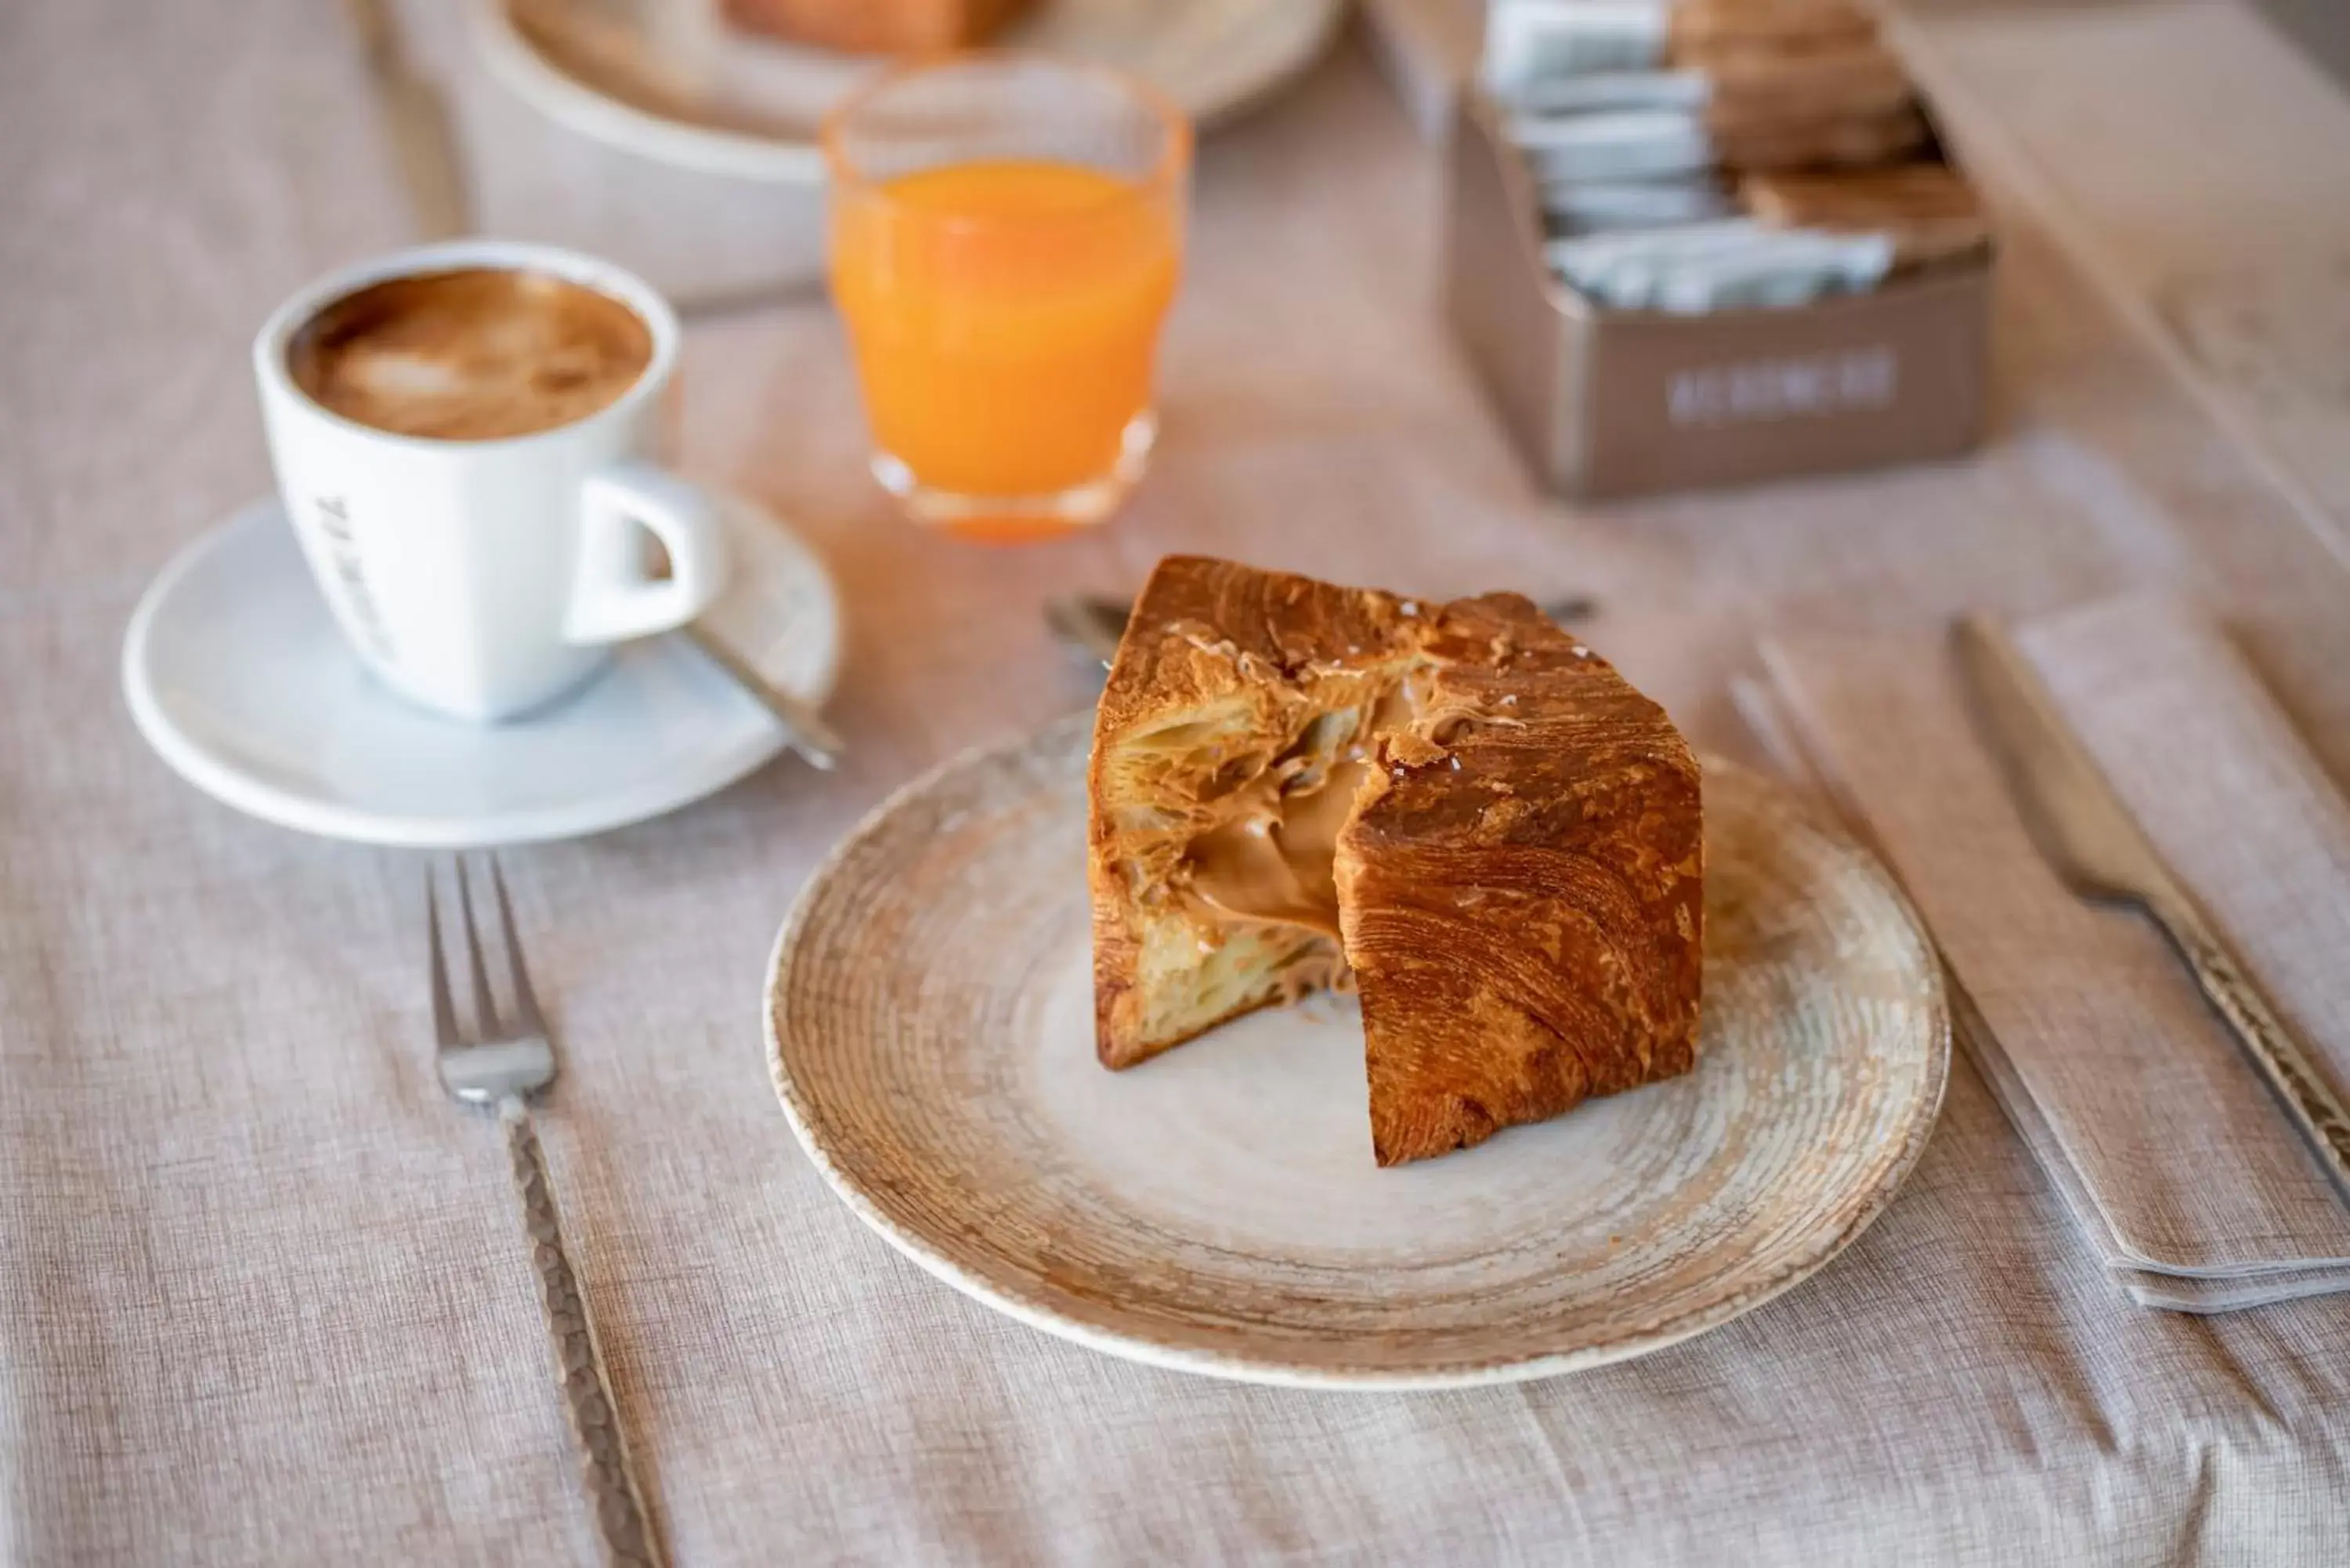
column 476, row 354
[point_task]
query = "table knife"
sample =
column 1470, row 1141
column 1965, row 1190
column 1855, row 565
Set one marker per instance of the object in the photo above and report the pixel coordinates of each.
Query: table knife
column 2087, row 836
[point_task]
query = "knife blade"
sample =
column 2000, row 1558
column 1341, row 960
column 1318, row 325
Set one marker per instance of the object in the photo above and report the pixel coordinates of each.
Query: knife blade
column 2071, row 814
column 2087, row 836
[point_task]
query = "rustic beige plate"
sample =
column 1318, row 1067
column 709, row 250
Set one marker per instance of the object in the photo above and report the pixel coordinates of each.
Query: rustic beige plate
column 1216, row 1210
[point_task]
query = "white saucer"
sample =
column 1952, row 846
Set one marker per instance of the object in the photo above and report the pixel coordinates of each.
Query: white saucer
column 237, row 676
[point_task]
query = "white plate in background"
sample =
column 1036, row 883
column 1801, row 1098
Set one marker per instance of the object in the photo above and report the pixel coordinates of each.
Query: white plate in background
column 751, row 109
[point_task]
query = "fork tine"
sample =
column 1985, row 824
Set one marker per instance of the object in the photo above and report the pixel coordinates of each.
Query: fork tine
column 526, row 1003
column 485, row 1009
column 444, row 1012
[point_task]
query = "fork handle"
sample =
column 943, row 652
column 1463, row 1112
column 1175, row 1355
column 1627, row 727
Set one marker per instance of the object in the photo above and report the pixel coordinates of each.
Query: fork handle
column 621, row 1523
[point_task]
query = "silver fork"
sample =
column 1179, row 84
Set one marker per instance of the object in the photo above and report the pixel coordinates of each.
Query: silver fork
column 505, row 1062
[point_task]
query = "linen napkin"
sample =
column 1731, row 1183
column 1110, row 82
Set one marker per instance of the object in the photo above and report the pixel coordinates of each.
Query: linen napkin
column 2182, row 1171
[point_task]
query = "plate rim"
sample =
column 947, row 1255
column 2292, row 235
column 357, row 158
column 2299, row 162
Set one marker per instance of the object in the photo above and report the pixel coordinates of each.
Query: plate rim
column 522, row 70
column 242, row 792
column 1273, row 1373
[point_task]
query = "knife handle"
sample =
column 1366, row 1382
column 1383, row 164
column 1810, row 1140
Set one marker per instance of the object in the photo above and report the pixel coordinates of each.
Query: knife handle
column 2308, row 1099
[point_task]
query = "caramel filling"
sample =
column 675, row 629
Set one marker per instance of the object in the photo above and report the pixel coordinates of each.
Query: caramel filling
column 1275, row 857
column 1276, row 860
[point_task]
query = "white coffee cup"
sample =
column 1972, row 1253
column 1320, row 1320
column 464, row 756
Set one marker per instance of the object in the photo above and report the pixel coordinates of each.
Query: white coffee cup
column 487, row 577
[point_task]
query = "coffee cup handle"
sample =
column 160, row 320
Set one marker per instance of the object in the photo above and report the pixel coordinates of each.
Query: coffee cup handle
column 613, row 598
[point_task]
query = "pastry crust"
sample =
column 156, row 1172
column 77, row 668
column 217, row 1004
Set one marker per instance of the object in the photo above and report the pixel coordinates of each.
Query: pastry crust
column 1221, row 669
column 1518, row 864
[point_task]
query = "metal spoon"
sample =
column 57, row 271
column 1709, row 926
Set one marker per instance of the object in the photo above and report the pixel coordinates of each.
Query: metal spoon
column 804, row 731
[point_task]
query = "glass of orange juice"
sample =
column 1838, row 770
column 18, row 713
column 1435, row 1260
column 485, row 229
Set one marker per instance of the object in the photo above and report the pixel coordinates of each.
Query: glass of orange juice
column 1007, row 233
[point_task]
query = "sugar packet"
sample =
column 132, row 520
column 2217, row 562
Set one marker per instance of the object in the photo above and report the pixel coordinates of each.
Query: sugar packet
column 1585, row 206
column 1685, row 90
column 1528, row 42
column 1614, row 144
column 1736, row 262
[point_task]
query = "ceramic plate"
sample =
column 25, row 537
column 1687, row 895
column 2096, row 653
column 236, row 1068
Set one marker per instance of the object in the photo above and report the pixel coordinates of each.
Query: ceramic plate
column 751, row 107
column 1216, row 1209
column 237, row 676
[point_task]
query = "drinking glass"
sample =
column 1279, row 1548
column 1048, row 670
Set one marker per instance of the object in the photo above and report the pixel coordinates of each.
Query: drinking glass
column 1007, row 233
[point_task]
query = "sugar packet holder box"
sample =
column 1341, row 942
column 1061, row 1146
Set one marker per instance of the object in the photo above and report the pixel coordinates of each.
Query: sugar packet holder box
column 1606, row 402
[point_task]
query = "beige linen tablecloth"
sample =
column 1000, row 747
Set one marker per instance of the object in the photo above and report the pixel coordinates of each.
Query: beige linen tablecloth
column 262, row 1294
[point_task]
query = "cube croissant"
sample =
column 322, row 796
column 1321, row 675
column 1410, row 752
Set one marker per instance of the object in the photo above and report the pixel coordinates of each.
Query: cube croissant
column 1457, row 809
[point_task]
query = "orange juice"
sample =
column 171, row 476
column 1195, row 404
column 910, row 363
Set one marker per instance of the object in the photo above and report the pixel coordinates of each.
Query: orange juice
column 1005, row 315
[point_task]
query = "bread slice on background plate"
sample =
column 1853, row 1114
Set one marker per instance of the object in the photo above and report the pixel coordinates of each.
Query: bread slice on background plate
column 878, row 27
